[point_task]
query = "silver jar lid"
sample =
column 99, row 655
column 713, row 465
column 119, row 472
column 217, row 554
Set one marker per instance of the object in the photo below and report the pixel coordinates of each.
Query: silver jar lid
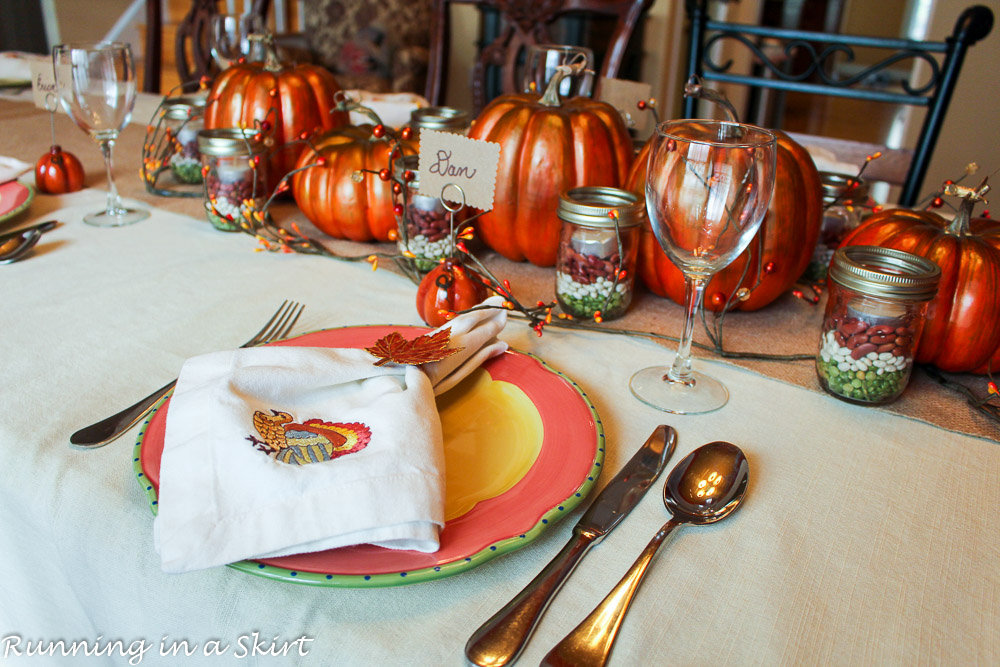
column 885, row 272
column 835, row 184
column 445, row 119
column 228, row 142
column 591, row 206
column 180, row 108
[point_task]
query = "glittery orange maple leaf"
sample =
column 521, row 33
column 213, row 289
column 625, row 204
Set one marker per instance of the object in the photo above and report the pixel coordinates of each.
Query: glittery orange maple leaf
column 421, row 350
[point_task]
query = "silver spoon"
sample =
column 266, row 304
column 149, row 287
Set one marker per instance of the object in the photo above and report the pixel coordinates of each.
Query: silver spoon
column 14, row 245
column 707, row 486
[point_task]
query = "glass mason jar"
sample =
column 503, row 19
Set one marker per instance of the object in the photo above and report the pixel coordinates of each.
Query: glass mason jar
column 874, row 317
column 595, row 265
column 232, row 185
column 425, row 224
column 842, row 196
column 184, row 118
column 442, row 119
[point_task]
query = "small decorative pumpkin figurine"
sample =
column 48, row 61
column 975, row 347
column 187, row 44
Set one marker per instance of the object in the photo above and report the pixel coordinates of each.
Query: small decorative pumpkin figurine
column 448, row 287
column 58, row 172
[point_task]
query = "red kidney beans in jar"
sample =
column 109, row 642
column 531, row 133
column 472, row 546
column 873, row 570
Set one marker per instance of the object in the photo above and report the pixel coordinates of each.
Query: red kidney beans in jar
column 234, row 180
column 874, row 317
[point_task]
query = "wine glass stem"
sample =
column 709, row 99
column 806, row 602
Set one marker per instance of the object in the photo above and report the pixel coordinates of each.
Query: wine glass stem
column 694, row 290
column 114, row 205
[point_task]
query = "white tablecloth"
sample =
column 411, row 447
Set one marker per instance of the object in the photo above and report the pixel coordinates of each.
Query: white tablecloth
column 865, row 538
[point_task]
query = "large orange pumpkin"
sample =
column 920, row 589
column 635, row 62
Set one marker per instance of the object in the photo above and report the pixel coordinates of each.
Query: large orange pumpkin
column 547, row 146
column 778, row 254
column 293, row 99
column 331, row 197
column 962, row 333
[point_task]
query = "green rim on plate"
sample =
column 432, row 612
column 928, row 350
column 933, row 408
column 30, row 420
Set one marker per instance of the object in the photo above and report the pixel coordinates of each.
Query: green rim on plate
column 380, row 580
column 24, row 205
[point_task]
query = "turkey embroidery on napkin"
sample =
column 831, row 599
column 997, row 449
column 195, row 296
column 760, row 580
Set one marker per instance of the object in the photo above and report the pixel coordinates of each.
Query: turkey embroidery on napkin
column 313, row 441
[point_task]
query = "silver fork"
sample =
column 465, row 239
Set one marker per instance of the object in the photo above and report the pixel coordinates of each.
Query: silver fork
column 107, row 430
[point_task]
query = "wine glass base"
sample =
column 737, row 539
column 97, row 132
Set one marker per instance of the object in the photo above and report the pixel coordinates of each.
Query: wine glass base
column 119, row 218
column 704, row 394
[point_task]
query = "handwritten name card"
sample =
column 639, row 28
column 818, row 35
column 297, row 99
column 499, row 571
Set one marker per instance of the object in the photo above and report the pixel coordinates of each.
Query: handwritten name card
column 451, row 159
column 43, row 83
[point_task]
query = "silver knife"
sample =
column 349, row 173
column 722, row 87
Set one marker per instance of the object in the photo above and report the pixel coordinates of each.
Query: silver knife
column 501, row 639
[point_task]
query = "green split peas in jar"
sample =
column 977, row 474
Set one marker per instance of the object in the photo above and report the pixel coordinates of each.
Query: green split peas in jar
column 875, row 314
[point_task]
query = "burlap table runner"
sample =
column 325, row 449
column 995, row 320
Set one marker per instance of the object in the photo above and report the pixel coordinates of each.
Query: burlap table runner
column 788, row 326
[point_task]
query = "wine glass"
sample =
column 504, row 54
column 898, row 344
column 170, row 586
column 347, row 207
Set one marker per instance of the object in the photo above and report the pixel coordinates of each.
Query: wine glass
column 541, row 61
column 708, row 186
column 96, row 85
column 230, row 38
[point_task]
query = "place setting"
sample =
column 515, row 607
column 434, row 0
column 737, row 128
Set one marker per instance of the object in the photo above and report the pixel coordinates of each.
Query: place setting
column 310, row 368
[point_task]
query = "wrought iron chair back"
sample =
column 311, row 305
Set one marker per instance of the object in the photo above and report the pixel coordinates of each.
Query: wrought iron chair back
column 943, row 59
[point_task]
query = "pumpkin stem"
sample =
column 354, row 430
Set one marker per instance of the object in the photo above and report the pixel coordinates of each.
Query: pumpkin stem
column 271, row 61
column 694, row 88
column 970, row 197
column 551, row 97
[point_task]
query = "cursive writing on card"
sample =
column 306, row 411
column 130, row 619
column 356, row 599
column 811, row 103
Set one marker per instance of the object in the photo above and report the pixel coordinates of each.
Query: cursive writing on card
column 444, row 167
column 448, row 159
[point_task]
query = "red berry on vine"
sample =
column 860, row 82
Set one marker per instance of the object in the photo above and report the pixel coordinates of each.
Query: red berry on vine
column 641, row 104
column 408, row 176
column 303, row 136
column 265, row 126
column 398, row 209
column 407, row 133
column 384, row 174
column 378, row 131
column 937, row 203
column 718, row 299
column 397, row 188
column 321, row 161
column 769, row 267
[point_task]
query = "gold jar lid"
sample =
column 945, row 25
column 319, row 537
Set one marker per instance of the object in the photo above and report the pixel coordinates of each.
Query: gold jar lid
column 229, row 142
column 182, row 108
column 591, row 206
column 885, row 273
column 444, row 119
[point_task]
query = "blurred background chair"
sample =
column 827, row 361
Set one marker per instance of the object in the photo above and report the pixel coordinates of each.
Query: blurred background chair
column 788, row 60
column 509, row 26
column 192, row 44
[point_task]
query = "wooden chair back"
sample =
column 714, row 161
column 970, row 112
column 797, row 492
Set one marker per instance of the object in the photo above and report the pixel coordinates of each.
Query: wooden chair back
column 525, row 22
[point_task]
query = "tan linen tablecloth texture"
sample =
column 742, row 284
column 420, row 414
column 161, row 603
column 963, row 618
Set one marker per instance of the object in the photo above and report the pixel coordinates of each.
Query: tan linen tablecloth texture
column 789, row 326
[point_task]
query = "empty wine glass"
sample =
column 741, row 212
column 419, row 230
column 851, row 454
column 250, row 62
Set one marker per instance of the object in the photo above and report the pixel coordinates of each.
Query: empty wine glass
column 708, row 186
column 541, row 61
column 96, row 85
column 230, row 38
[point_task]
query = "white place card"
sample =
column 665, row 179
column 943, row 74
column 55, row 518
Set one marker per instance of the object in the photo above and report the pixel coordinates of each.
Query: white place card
column 43, row 83
column 452, row 159
column 624, row 95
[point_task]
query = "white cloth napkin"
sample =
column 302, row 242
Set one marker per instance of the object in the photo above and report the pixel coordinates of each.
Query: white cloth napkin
column 223, row 499
column 16, row 65
column 11, row 168
column 393, row 109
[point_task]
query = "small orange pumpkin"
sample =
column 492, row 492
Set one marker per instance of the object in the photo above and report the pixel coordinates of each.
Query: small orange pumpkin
column 292, row 99
column 333, row 200
column 448, row 287
column 58, row 172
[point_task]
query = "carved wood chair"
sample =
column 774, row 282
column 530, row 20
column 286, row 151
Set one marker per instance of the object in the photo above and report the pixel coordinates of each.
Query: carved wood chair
column 526, row 22
column 192, row 45
column 905, row 167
